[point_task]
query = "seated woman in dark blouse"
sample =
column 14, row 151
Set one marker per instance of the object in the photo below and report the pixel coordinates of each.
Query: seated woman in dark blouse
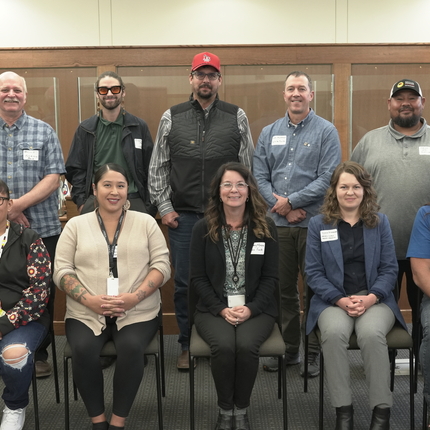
column 351, row 267
column 234, row 270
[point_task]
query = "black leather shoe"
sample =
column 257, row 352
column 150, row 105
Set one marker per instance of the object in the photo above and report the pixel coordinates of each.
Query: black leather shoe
column 241, row 422
column 225, row 422
column 380, row 419
column 344, row 418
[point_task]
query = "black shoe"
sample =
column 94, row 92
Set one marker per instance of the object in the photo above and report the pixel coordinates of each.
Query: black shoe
column 101, row 426
column 380, row 419
column 225, row 422
column 344, row 418
column 241, row 422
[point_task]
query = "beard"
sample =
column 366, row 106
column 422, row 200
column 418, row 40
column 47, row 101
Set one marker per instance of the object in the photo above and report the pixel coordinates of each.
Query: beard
column 407, row 122
column 205, row 95
column 111, row 106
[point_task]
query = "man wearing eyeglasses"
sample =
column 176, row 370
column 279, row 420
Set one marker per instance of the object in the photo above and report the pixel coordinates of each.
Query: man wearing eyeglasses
column 112, row 136
column 194, row 139
column 31, row 162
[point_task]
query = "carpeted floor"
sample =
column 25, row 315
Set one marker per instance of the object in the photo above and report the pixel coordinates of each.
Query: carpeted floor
column 265, row 412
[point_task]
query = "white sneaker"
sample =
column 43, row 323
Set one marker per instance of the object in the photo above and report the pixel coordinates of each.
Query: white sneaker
column 12, row 419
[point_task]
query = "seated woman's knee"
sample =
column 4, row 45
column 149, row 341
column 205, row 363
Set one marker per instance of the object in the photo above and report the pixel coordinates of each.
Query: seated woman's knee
column 15, row 355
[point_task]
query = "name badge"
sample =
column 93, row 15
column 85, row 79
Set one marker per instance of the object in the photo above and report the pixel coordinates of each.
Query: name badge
column 30, row 154
column 424, row 150
column 112, row 286
column 328, row 235
column 279, row 140
column 258, row 248
column 138, row 143
column 236, row 300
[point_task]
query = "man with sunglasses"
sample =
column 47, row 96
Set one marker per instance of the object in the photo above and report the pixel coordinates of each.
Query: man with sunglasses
column 111, row 136
column 194, row 139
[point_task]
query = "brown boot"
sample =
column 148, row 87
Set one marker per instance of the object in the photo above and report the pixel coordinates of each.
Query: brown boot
column 380, row 419
column 344, row 418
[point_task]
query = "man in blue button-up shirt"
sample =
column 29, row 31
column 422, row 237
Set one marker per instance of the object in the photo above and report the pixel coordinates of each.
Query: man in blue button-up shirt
column 293, row 163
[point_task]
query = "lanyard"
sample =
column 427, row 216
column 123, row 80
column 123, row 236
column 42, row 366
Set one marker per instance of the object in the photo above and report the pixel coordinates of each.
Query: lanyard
column 4, row 238
column 235, row 253
column 111, row 246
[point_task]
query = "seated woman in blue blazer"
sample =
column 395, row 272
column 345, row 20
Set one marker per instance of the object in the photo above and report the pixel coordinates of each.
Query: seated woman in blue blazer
column 234, row 271
column 351, row 267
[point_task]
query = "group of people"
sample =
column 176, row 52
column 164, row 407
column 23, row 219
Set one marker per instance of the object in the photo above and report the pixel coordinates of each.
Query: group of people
column 242, row 223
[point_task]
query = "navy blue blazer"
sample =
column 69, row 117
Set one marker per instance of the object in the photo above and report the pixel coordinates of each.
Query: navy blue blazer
column 208, row 270
column 325, row 271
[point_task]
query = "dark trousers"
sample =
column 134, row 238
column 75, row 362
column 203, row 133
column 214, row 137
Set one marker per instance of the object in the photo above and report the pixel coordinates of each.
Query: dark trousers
column 234, row 355
column 130, row 343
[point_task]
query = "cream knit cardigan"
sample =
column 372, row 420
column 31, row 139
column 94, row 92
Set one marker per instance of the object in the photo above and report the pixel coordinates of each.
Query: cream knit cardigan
column 82, row 251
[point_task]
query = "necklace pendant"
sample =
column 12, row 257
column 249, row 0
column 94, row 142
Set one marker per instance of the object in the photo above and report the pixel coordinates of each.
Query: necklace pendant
column 235, row 278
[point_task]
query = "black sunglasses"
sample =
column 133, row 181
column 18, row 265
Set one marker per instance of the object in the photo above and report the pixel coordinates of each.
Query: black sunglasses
column 114, row 90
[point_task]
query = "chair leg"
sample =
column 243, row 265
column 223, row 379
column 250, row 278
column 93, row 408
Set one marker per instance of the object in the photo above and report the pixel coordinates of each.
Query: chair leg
column 66, row 394
column 424, row 414
column 280, row 363
column 163, row 374
column 54, row 363
column 35, row 398
column 305, row 379
column 411, row 388
column 284, row 392
column 191, row 372
column 321, row 394
column 392, row 354
column 159, row 404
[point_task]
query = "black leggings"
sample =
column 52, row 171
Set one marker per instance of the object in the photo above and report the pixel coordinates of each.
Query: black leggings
column 130, row 342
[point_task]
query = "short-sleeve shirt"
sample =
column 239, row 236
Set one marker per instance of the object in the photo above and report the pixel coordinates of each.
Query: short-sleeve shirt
column 30, row 150
column 419, row 243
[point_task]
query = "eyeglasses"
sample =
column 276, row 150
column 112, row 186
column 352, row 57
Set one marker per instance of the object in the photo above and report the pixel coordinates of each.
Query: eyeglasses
column 211, row 76
column 105, row 90
column 240, row 186
column 2, row 199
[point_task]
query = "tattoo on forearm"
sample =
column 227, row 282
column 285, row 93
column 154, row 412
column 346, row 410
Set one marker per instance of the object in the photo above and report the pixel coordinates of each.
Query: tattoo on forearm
column 73, row 288
column 151, row 284
column 141, row 295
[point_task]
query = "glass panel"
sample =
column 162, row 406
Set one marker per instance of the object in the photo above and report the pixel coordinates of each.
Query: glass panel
column 149, row 91
column 258, row 90
column 370, row 89
column 87, row 100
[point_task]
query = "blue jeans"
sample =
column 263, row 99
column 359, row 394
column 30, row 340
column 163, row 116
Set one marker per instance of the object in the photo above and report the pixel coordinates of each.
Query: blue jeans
column 17, row 378
column 180, row 239
column 425, row 346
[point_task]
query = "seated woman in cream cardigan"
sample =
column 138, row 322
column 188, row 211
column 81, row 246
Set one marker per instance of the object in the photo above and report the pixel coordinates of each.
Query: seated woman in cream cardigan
column 111, row 264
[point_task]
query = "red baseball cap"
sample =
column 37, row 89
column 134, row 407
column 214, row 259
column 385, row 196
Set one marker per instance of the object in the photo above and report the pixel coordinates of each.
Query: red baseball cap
column 206, row 59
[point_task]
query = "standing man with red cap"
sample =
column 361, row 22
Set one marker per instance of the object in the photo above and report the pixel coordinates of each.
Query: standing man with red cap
column 193, row 140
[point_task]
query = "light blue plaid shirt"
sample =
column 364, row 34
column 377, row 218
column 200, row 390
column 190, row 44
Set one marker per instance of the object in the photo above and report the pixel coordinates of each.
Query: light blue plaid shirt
column 21, row 175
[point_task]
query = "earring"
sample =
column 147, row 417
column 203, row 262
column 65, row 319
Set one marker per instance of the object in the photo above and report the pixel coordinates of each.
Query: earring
column 247, row 199
column 126, row 205
column 220, row 199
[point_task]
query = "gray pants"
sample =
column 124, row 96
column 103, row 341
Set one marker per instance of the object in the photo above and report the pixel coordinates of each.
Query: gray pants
column 371, row 329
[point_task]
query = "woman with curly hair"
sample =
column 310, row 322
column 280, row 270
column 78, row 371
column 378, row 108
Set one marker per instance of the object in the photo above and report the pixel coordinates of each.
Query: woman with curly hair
column 234, row 271
column 351, row 268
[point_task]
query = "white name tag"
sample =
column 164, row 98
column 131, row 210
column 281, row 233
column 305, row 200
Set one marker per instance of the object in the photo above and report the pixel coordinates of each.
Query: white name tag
column 236, row 300
column 138, row 143
column 328, row 235
column 279, row 140
column 30, row 154
column 424, row 150
column 112, row 286
column 258, row 248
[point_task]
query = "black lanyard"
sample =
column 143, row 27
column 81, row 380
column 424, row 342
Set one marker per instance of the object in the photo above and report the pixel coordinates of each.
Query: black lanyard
column 235, row 253
column 111, row 247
